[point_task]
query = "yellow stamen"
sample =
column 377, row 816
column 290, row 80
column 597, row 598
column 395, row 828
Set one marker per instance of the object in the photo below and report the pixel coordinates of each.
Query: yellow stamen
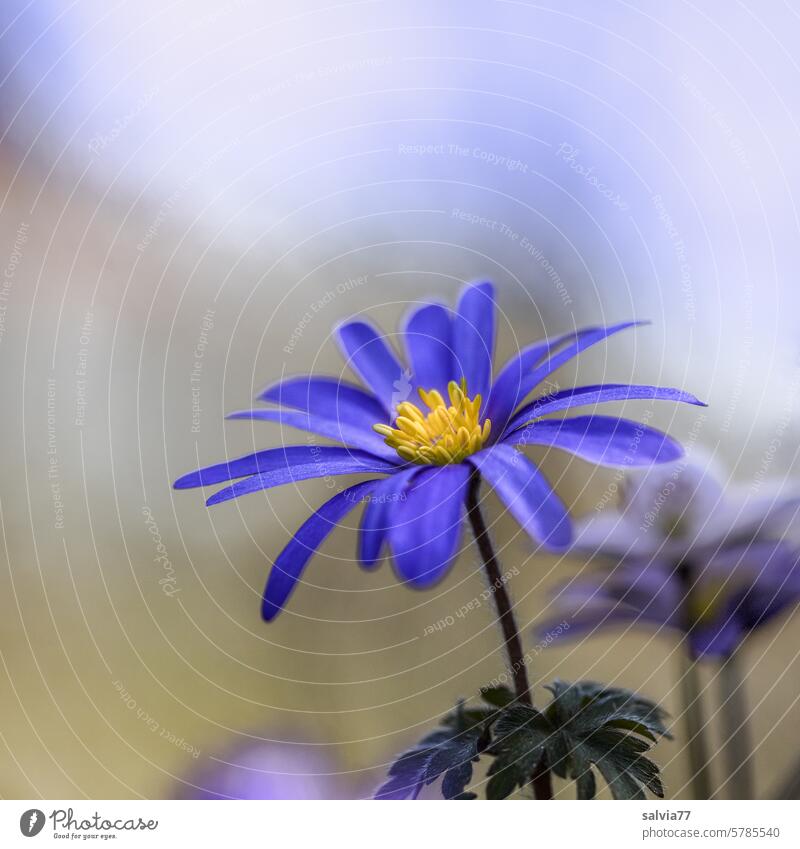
column 446, row 434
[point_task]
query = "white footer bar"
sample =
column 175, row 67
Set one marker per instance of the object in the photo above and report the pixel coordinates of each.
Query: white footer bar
column 396, row 824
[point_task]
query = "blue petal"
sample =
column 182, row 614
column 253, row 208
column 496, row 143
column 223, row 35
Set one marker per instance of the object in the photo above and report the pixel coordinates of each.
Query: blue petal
column 718, row 639
column 426, row 526
column 580, row 396
column 345, row 465
column 761, row 515
column 359, row 436
column 604, row 440
column 292, row 560
column 327, row 397
column 756, row 581
column 505, row 393
column 473, row 338
column 376, row 519
column 372, row 360
column 644, row 593
column 428, row 339
column 586, row 338
column 585, row 620
column 520, row 383
column 526, row 493
column 615, row 535
column 270, row 460
column 769, row 564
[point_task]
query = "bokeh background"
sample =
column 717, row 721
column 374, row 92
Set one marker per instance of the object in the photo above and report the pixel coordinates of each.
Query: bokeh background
column 194, row 193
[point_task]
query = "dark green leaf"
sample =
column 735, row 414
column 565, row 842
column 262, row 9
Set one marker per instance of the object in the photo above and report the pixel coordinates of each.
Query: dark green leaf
column 608, row 728
column 588, row 705
column 581, row 772
column 633, row 725
column 619, row 757
column 499, row 696
column 586, row 785
column 452, row 754
column 456, row 779
column 502, row 784
column 621, row 783
column 448, row 751
column 559, row 750
column 519, row 736
column 520, row 716
column 406, row 775
column 586, row 727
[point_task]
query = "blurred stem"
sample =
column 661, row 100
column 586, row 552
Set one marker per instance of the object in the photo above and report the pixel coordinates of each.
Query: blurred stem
column 790, row 788
column 736, row 748
column 694, row 720
column 541, row 779
column 693, row 714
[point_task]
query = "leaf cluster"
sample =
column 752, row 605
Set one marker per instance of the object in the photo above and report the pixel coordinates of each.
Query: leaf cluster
column 587, row 729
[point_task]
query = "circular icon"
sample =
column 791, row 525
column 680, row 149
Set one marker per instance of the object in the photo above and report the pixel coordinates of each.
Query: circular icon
column 31, row 822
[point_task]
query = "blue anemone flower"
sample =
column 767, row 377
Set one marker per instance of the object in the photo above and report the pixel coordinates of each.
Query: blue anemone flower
column 711, row 563
column 267, row 769
column 469, row 423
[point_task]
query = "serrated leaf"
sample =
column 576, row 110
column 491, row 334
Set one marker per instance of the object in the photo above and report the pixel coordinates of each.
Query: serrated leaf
column 519, row 716
column 616, row 743
column 519, row 736
column 502, row 784
column 586, row 727
column 626, row 704
column 406, row 775
column 589, row 705
column 452, row 754
column 581, row 772
column 559, row 751
column 604, row 727
column 642, row 769
column 499, row 696
column 447, row 751
column 621, row 783
column 463, row 718
column 456, row 779
column 619, row 757
column 567, row 701
column 633, row 725
column 586, row 785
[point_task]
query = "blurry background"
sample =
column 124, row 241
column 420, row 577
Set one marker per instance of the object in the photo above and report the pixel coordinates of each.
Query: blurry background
column 193, row 193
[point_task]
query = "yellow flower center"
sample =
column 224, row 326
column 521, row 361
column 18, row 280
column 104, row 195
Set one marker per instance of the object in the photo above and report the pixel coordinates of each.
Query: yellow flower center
column 447, row 434
column 705, row 602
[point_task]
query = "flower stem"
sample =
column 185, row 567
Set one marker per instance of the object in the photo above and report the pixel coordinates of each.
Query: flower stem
column 790, row 788
column 693, row 714
column 694, row 720
column 541, row 779
column 505, row 612
column 736, row 746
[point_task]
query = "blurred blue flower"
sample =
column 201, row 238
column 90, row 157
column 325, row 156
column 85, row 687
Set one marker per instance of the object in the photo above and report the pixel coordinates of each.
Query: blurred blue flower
column 267, row 770
column 429, row 457
column 711, row 564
